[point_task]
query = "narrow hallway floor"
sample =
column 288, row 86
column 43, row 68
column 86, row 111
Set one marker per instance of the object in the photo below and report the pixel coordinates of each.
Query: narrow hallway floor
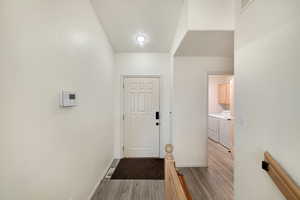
column 212, row 183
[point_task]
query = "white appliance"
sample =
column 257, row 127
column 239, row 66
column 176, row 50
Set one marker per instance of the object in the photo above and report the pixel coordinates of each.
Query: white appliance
column 213, row 129
column 220, row 129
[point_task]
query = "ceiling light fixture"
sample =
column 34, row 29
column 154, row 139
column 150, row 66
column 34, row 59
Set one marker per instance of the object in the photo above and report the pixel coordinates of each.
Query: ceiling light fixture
column 141, row 39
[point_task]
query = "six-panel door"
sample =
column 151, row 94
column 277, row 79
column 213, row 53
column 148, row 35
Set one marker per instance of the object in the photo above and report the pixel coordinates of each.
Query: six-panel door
column 141, row 102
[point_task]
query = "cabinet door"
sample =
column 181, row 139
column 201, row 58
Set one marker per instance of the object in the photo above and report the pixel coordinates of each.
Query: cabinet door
column 224, row 93
column 213, row 129
column 221, row 93
column 214, row 135
column 227, row 97
column 213, row 124
column 224, row 131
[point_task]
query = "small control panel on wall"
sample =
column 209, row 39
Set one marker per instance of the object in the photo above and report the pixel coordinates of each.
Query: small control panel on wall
column 68, row 98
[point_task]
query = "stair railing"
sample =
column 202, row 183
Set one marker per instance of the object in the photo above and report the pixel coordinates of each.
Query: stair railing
column 283, row 181
column 175, row 185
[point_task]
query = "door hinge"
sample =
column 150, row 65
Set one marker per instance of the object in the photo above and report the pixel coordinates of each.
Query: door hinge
column 123, row 116
column 123, row 84
column 123, row 148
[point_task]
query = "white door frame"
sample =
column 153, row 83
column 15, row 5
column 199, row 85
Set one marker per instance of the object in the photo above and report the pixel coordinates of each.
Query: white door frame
column 209, row 73
column 122, row 131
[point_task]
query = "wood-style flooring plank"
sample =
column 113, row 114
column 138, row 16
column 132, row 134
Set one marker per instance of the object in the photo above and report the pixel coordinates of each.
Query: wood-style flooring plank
column 130, row 190
column 212, row 183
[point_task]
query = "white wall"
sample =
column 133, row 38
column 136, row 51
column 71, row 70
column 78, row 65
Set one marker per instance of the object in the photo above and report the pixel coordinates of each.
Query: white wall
column 182, row 28
column 47, row 152
column 209, row 19
column 267, row 95
column 143, row 63
column 190, row 106
column 210, row 14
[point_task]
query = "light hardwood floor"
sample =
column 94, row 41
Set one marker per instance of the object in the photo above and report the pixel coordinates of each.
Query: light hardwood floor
column 212, row 183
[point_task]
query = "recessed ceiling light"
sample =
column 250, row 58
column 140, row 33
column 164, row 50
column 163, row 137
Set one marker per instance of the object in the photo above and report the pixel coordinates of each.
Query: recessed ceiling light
column 141, row 39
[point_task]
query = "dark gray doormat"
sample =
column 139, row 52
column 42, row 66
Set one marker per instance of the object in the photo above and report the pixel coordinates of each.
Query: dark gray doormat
column 140, row 168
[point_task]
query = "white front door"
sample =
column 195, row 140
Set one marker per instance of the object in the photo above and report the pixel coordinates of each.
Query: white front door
column 141, row 117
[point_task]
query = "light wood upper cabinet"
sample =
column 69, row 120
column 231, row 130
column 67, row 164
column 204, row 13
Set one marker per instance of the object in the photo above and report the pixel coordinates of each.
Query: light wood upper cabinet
column 224, row 94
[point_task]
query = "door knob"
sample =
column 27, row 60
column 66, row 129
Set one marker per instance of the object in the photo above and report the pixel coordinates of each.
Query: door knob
column 157, row 123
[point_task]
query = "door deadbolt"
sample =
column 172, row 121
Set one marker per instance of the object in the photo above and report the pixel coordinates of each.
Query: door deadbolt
column 157, row 115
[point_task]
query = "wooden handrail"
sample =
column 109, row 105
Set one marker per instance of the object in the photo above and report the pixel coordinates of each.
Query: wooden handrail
column 284, row 182
column 184, row 186
column 175, row 186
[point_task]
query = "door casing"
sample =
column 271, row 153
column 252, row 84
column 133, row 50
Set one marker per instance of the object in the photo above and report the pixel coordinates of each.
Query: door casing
column 207, row 74
column 122, row 106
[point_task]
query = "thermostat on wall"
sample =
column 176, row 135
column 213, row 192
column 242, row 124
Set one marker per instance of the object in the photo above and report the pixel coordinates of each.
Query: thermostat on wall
column 68, row 98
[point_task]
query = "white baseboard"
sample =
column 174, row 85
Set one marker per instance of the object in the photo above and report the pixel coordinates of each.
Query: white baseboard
column 182, row 164
column 100, row 180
